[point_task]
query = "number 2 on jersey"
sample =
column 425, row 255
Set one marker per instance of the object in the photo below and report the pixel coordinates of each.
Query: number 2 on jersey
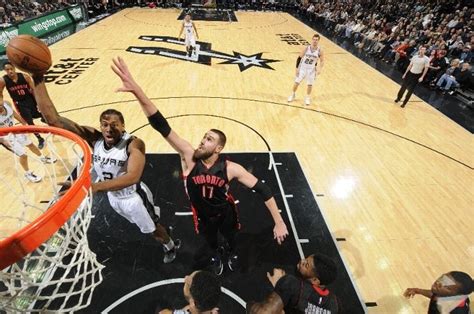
column 107, row 175
column 207, row 191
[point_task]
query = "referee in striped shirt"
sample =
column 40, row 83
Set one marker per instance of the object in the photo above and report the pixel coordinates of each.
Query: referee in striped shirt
column 414, row 74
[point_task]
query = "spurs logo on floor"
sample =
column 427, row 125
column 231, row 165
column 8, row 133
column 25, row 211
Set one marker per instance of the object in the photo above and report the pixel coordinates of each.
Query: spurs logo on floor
column 202, row 54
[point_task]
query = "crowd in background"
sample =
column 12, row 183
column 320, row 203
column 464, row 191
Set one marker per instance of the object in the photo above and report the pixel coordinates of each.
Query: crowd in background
column 14, row 11
column 393, row 30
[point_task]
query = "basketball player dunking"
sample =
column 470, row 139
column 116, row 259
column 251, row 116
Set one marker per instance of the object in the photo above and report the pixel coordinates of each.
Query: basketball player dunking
column 206, row 178
column 306, row 65
column 20, row 87
column 118, row 160
column 190, row 33
column 16, row 142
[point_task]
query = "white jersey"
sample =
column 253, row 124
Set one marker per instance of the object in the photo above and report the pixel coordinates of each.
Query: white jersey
column 188, row 29
column 6, row 120
column 310, row 58
column 112, row 163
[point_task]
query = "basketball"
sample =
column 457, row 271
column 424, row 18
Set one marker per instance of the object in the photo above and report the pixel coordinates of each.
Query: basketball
column 29, row 54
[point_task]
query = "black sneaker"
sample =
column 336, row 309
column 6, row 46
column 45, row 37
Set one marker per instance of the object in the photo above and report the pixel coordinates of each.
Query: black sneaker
column 396, row 100
column 171, row 254
column 216, row 265
column 233, row 262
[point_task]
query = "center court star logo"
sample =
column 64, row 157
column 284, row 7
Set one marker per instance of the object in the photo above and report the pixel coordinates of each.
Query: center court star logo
column 245, row 62
column 202, row 54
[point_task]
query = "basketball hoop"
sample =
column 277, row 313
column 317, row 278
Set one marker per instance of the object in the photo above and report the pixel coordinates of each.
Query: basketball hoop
column 45, row 260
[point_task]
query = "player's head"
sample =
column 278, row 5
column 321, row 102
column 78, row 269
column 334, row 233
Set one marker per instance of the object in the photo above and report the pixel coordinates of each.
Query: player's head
column 202, row 290
column 112, row 126
column 212, row 143
column 315, row 39
column 453, row 283
column 9, row 69
column 187, row 17
column 318, row 268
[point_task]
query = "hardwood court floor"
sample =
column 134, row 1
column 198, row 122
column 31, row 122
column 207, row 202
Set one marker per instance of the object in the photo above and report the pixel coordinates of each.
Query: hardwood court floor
column 396, row 183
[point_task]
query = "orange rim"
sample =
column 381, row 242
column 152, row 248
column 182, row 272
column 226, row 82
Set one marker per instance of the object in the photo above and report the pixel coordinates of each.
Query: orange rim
column 27, row 239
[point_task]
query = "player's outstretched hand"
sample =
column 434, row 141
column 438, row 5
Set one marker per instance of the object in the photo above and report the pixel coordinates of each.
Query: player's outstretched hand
column 121, row 69
column 410, row 292
column 280, row 232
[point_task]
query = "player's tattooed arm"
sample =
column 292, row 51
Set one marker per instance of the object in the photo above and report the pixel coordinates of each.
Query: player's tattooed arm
column 2, row 87
column 30, row 82
column 272, row 304
column 52, row 117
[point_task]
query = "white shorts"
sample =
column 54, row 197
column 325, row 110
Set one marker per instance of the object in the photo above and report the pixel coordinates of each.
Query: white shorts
column 190, row 40
column 136, row 208
column 309, row 74
column 16, row 143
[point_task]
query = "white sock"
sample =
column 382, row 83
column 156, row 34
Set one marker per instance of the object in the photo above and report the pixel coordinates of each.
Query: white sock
column 169, row 246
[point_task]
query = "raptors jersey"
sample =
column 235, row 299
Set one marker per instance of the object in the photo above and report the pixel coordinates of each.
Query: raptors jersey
column 110, row 163
column 19, row 90
column 188, row 29
column 6, row 119
column 208, row 188
column 310, row 58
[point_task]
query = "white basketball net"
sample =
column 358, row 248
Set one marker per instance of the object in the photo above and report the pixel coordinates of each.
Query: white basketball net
column 61, row 274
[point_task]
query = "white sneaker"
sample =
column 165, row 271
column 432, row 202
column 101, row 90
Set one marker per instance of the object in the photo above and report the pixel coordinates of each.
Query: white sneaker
column 307, row 101
column 48, row 160
column 291, row 97
column 32, row 177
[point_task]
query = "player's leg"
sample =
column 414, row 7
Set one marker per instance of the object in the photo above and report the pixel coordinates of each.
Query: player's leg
column 18, row 149
column 28, row 114
column 187, row 43
column 170, row 246
column 229, row 227
column 208, row 229
column 300, row 76
column 24, row 140
column 310, row 78
column 307, row 100
column 193, row 45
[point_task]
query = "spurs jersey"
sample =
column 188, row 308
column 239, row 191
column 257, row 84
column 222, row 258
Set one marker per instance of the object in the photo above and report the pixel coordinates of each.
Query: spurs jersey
column 6, row 120
column 310, row 58
column 111, row 163
column 188, row 29
column 208, row 188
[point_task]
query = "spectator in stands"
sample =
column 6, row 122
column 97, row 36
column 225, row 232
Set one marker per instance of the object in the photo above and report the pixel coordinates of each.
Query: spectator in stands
column 459, row 76
column 448, row 294
column 454, row 67
column 466, row 54
column 438, row 65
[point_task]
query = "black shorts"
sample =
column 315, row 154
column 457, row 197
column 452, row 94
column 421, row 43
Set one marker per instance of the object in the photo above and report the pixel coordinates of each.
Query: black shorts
column 28, row 111
column 226, row 221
